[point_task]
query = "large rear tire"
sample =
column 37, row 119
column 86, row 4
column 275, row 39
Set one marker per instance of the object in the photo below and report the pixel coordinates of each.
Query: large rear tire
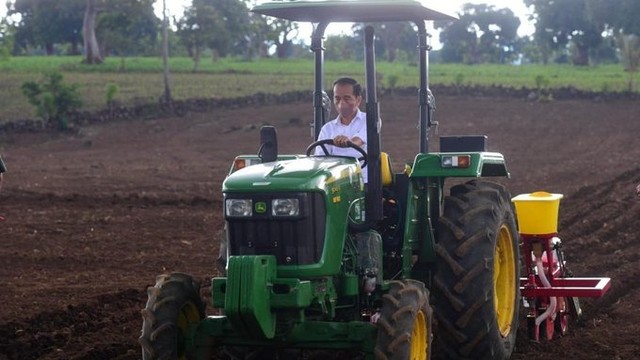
column 404, row 326
column 173, row 306
column 476, row 285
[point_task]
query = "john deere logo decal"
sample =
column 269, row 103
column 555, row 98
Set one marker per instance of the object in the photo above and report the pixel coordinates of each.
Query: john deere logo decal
column 261, row 207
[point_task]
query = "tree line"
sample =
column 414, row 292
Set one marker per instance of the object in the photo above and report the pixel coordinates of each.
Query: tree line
column 101, row 28
column 579, row 32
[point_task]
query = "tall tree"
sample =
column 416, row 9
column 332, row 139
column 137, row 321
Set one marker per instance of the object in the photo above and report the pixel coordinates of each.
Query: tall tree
column 629, row 46
column 91, row 49
column 166, row 97
column 236, row 21
column 117, row 25
column 620, row 18
column 563, row 23
column 391, row 38
column 44, row 23
column 281, row 34
column 265, row 33
column 197, row 26
column 219, row 25
column 616, row 15
column 341, row 47
column 483, row 34
column 126, row 27
column 257, row 37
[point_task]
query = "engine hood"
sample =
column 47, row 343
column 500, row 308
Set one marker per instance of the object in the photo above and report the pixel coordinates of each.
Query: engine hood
column 303, row 174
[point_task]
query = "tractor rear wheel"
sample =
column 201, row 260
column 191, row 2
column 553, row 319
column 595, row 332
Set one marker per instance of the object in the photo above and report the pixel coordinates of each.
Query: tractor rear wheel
column 404, row 326
column 476, row 284
column 173, row 306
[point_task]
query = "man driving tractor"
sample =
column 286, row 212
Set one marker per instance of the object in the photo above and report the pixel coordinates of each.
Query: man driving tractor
column 350, row 124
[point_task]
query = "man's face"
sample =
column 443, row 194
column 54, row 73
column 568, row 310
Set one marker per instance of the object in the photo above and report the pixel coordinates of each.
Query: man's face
column 345, row 101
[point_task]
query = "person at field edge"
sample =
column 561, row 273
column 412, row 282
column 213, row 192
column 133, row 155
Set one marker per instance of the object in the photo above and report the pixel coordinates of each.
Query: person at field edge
column 351, row 123
column 3, row 169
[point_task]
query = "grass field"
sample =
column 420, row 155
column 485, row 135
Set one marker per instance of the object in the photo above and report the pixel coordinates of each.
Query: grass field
column 139, row 80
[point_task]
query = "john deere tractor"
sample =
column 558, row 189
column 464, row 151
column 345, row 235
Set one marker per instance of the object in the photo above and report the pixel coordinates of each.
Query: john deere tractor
column 316, row 259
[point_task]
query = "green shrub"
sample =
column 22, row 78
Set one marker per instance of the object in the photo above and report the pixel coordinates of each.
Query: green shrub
column 53, row 99
column 458, row 80
column 393, row 80
column 541, row 82
column 111, row 90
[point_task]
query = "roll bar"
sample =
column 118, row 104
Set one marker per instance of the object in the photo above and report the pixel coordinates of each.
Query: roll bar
column 425, row 98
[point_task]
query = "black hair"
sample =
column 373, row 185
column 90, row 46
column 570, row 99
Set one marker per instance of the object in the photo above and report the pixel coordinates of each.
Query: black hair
column 357, row 89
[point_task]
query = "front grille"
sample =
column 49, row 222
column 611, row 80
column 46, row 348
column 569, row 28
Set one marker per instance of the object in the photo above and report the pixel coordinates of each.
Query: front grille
column 293, row 241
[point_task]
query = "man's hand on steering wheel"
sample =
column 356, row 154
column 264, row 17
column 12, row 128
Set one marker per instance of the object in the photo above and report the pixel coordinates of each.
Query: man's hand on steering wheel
column 341, row 141
column 348, row 143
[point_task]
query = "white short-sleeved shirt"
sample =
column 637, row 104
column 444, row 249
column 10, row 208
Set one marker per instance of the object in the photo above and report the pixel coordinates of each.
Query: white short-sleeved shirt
column 357, row 127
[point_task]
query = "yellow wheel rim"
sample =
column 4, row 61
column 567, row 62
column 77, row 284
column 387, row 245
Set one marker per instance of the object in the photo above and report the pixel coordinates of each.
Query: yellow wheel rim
column 419, row 341
column 189, row 314
column 504, row 280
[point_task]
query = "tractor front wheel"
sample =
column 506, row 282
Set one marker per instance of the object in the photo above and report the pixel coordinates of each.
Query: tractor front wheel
column 173, row 307
column 404, row 326
column 476, row 285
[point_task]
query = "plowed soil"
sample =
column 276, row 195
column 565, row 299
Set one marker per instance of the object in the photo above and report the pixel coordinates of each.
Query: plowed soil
column 93, row 217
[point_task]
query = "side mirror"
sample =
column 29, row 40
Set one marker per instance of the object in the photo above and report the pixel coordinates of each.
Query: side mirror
column 268, row 151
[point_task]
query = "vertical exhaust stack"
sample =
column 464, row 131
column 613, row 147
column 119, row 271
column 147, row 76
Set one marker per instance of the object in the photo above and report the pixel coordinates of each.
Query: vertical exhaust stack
column 320, row 113
column 426, row 101
column 374, row 188
column 268, row 151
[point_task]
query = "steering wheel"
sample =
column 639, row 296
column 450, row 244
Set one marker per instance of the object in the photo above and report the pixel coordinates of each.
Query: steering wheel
column 322, row 143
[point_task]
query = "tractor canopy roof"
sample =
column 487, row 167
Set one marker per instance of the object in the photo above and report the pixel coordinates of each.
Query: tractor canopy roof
column 360, row 11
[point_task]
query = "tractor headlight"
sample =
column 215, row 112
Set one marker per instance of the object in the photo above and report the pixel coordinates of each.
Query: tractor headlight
column 285, row 207
column 239, row 207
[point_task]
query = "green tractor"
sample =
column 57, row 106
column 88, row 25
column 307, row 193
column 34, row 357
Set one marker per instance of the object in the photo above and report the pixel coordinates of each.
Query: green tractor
column 318, row 260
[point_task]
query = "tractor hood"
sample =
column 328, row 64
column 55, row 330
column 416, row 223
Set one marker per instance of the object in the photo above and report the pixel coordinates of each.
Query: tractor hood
column 304, row 174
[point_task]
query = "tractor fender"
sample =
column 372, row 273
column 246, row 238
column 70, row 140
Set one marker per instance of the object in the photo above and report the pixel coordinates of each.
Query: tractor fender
column 459, row 164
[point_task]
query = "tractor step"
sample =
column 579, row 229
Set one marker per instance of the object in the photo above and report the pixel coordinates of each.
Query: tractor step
column 568, row 287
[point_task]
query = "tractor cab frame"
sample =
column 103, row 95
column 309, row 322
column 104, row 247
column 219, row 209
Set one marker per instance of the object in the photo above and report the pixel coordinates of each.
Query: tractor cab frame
column 324, row 13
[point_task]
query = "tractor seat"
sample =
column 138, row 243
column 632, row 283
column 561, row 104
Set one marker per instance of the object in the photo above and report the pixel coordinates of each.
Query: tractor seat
column 385, row 169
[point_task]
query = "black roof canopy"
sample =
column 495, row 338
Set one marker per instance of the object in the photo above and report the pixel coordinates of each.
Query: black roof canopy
column 322, row 11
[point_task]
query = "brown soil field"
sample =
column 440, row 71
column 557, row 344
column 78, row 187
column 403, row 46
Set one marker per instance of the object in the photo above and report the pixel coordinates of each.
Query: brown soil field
column 93, row 217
